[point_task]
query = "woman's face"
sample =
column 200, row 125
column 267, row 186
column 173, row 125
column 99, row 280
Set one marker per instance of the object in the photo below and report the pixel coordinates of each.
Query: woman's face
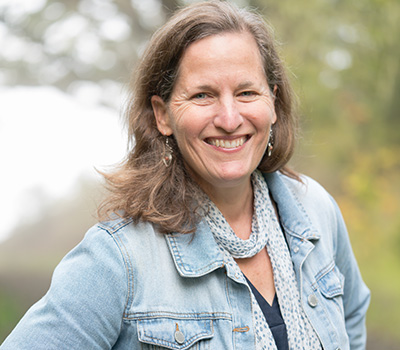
column 221, row 110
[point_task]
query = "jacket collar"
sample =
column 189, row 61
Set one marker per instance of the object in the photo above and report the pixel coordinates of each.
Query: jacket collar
column 292, row 215
column 198, row 254
column 195, row 254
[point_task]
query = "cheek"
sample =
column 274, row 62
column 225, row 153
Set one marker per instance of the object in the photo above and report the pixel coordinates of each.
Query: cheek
column 184, row 130
column 263, row 117
column 179, row 120
column 271, row 119
column 186, row 136
column 261, row 111
column 187, row 127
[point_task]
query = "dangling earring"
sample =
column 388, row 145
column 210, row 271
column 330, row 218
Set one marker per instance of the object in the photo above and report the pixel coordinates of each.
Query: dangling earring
column 167, row 156
column 270, row 145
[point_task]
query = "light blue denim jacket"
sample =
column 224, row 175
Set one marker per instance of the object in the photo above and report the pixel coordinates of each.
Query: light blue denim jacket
column 126, row 286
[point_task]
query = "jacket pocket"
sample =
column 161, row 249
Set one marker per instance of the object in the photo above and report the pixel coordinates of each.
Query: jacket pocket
column 331, row 285
column 181, row 334
column 331, row 281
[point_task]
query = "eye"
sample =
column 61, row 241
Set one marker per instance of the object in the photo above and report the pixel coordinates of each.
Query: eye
column 247, row 93
column 200, row 96
column 247, row 96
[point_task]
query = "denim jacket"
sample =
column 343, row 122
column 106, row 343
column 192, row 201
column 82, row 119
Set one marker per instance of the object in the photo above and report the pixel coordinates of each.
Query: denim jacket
column 126, row 286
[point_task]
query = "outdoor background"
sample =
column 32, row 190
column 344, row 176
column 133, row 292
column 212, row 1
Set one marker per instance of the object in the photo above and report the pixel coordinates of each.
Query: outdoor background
column 64, row 65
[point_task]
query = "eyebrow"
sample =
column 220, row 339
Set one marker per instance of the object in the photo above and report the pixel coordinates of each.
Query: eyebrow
column 204, row 87
column 244, row 85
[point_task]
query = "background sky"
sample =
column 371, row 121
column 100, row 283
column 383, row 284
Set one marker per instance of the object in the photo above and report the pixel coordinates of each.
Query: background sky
column 48, row 140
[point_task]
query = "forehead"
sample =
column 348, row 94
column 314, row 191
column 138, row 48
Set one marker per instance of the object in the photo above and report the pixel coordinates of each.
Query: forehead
column 237, row 50
column 216, row 43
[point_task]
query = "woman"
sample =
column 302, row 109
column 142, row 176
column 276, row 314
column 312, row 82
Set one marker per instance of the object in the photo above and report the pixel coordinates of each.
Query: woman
column 214, row 242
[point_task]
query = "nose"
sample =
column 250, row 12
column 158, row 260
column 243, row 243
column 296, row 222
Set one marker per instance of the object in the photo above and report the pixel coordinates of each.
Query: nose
column 228, row 116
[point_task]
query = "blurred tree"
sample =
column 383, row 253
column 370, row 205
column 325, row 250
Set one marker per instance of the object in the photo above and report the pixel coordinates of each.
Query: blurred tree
column 76, row 45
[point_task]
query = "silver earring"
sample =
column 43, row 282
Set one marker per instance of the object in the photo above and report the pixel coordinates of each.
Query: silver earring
column 167, row 156
column 270, row 145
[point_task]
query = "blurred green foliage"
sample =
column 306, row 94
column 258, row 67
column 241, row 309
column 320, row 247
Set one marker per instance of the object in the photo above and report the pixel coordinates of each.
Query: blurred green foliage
column 10, row 312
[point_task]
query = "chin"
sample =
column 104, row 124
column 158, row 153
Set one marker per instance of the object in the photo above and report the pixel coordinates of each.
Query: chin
column 234, row 177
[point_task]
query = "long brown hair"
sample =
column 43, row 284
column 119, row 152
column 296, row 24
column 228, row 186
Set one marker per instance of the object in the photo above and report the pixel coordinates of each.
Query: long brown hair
column 142, row 187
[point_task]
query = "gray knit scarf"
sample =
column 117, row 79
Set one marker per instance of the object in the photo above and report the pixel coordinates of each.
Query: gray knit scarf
column 266, row 232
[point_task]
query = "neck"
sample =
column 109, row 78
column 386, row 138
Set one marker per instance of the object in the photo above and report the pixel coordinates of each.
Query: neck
column 236, row 205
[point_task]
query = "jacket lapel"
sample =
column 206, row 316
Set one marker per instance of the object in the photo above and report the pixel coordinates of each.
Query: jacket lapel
column 195, row 254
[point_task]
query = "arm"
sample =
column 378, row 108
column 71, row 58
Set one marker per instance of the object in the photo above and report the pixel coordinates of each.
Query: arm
column 356, row 295
column 84, row 306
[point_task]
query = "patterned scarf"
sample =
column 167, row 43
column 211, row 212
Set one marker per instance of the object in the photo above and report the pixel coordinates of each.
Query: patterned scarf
column 266, row 232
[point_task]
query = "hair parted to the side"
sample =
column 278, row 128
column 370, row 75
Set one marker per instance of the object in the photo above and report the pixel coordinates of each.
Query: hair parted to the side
column 142, row 187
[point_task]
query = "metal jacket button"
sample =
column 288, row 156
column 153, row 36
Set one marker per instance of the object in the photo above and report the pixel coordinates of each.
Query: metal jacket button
column 312, row 300
column 179, row 337
column 296, row 249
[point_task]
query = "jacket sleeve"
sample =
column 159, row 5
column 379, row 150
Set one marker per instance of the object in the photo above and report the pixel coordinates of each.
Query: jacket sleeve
column 84, row 306
column 356, row 295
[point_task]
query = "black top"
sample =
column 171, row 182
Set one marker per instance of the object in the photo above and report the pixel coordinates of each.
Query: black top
column 272, row 314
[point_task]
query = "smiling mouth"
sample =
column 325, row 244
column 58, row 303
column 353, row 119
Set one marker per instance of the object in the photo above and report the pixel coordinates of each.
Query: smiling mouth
column 228, row 144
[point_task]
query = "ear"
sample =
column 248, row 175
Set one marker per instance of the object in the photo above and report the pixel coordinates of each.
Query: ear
column 274, row 117
column 274, row 91
column 160, row 111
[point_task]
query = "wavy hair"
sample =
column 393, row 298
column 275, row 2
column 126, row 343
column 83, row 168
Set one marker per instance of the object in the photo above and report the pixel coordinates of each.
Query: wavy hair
column 141, row 187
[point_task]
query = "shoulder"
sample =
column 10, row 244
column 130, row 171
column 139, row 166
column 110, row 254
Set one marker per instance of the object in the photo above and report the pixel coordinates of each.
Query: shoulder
column 107, row 247
column 100, row 248
column 112, row 226
column 307, row 194
column 107, row 250
column 129, row 234
column 303, row 203
column 307, row 190
column 316, row 201
column 134, row 242
column 311, row 195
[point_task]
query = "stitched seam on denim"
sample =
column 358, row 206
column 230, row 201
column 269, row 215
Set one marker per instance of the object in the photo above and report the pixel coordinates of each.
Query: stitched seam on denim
column 327, row 316
column 332, row 292
column 131, row 278
column 301, row 207
column 295, row 234
column 232, row 312
column 128, row 268
column 337, row 219
column 197, row 336
column 176, row 255
column 227, row 290
column 325, row 271
column 119, row 225
column 170, row 315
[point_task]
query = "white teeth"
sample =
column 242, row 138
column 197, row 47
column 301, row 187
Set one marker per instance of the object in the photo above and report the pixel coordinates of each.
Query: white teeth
column 227, row 144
